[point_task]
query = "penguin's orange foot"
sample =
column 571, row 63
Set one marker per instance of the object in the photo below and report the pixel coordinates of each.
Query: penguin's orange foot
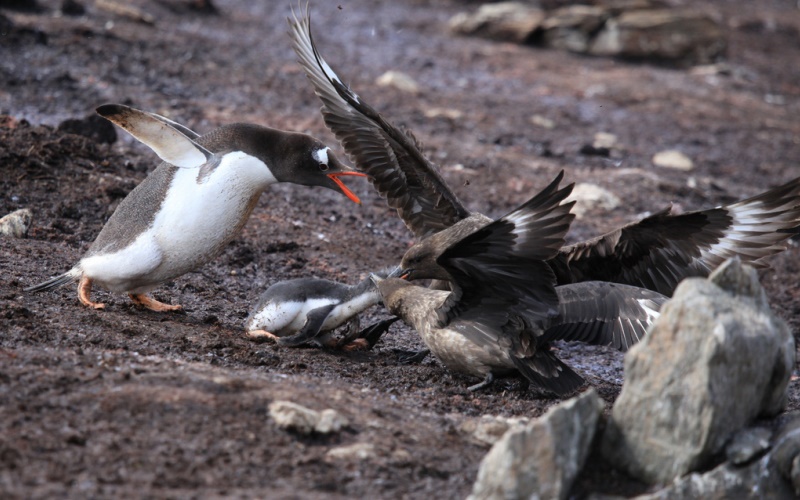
column 152, row 304
column 85, row 291
column 355, row 345
column 262, row 335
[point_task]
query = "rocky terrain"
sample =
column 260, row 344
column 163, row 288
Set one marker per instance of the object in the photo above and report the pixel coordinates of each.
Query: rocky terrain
column 130, row 403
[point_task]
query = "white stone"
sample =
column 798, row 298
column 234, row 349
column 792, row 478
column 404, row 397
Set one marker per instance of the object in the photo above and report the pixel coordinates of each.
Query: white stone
column 590, row 198
column 672, row 158
column 353, row 452
column 16, row 224
column 398, row 80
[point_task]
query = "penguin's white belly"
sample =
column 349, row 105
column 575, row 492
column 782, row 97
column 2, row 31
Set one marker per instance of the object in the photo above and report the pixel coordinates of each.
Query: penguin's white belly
column 198, row 217
column 285, row 318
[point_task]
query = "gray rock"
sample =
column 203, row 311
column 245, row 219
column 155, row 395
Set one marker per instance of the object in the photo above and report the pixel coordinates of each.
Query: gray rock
column 769, row 477
column 16, row 224
column 714, row 360
column 756, row 481
column 542, row 459
column 489, row 429
column 748, row 445
column 354, row 452
column 665, row 34
column 673, row 159
column 292, row 416
column 330, row 421
column 572, row 27
column 504, row 21
column 786, row 454
column 399, row 80
column 590, row 198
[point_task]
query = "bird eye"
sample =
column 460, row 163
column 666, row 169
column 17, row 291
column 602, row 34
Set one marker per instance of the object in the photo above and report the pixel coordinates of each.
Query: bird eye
column 324, row 167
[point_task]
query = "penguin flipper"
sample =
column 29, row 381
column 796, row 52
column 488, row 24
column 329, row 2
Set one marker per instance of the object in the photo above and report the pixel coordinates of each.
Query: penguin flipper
column 175, row 145
column 314, row 321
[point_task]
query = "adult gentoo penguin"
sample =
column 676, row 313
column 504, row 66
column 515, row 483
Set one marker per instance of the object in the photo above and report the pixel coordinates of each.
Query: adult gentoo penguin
column 656, row 252
column 184, row 213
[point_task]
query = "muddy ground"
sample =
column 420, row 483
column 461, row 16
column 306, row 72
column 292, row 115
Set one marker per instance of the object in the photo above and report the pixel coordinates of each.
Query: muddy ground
column 130, row 403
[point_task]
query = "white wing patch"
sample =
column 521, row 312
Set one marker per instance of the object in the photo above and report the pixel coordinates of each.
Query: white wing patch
column 652, row 313
column 520, row 219
column 754, row 233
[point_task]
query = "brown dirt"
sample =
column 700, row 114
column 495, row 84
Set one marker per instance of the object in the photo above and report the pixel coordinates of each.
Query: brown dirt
column 126, row 402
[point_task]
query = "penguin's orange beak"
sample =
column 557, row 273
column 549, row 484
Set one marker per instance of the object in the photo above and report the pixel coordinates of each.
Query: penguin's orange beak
column 335, row 178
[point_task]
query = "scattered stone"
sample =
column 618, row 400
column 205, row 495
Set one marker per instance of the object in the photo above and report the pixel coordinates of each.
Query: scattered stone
column 542, row 459
column 505, row 21
column 94, row 127
column 125, row 10
column 544, row 122
column 672, row 158
column 716, row 358
column 298, row 418
column 450, row 114
column 488, row 429
column 572, row 28
column 353, row 452
column 666, row 34
column 401, row 457
column 398, row 80
column 590, row 198
column 16, row 224
column 604, row 140
column 330, row 421
column 748, row 445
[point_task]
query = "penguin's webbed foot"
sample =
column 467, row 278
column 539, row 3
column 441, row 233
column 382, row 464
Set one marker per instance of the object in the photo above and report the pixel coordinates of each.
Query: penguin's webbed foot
column 85, row 292
column 143, row 300
column 261, row 336
column 354, row 345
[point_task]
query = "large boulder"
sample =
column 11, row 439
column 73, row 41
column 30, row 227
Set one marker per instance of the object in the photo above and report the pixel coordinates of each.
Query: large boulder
column 666, row 34
column 716, row 359
column 504, row 21
column 572, row 27
column 541, row 459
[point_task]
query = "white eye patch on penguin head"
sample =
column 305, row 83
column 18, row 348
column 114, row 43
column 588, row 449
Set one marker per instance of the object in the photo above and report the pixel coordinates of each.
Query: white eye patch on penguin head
column 321, row 156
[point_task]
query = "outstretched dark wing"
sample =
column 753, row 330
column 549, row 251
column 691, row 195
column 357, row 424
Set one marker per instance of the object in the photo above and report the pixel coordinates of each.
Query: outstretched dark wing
column 506, row 260
column 659, row 251
column 399, row 171
column 602, row 313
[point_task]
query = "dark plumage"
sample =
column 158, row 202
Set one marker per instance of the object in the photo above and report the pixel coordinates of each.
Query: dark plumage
column 656, row 252
column 504, row 308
